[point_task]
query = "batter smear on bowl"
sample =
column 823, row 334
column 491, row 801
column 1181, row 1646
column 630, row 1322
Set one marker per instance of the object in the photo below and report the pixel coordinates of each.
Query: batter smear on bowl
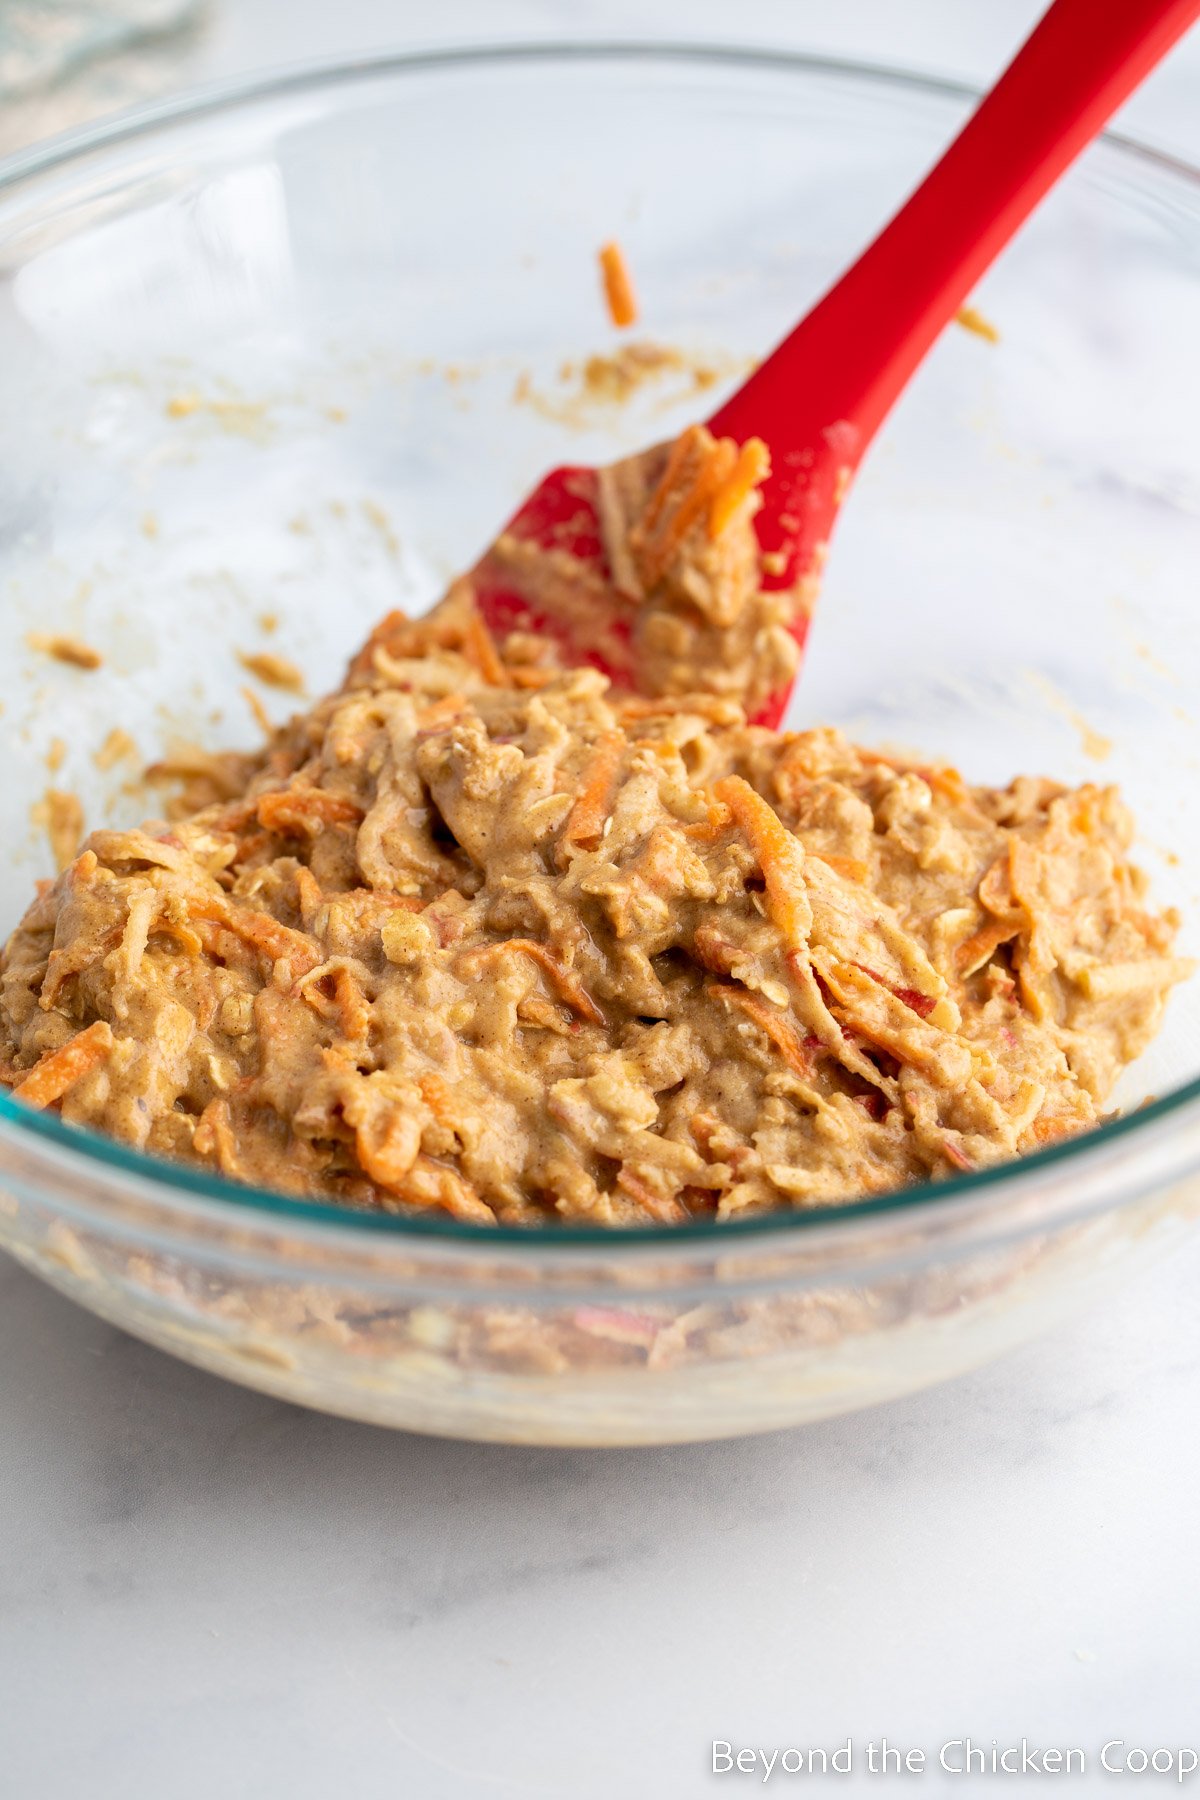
column 479, row 933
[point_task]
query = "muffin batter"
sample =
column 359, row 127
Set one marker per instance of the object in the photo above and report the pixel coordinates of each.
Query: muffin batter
column 478, row 933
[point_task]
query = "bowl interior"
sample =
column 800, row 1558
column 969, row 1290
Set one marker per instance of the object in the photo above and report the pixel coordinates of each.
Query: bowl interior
column 281, row 363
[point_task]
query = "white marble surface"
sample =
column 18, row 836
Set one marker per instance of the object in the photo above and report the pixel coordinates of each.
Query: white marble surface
column 205, row 1593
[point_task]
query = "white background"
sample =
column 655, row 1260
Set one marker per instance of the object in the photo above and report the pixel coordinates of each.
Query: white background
column 204, row 1593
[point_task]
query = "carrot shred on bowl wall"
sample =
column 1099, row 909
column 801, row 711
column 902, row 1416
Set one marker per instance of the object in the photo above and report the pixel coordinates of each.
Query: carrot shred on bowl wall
column 618, row 287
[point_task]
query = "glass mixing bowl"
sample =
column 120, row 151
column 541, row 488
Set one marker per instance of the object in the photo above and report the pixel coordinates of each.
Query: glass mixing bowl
column 277, row 359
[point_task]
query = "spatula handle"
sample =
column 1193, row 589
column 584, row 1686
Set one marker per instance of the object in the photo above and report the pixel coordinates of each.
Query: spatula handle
column 846, row 363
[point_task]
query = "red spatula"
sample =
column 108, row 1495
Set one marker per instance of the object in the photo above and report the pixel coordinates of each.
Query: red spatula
column 818, row 400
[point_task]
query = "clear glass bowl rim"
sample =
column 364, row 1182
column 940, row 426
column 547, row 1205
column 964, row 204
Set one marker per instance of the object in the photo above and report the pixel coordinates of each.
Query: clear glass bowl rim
column 176, row 1181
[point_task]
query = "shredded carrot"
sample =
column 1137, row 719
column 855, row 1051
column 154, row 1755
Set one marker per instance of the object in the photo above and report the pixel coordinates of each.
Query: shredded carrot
column 1083, row 815
column 780, row 857
column 948, row 783
column 707, row 831
column 306, row 809
column 586, row 819
column 392, row 625
column 705, row 1127
column 972, row 954
column 437, row 1096
column 849, row 866
column 440, row 712
column 971, row 319
column 657, row 539
column 752, row 467
column 719, row 819
column 1024, row 866
column 430, row 1183
column 214, row 1136
column 50, row 1078
column 618, row 287
column 687, row 441
column 262, row 717
column 850, row 986
column 713, row 950
column 480, row 649
column 995, row 889
column 250, row 846
column 275, row 941
column 657, row 555
column 664, row 1208
column 778, row 1028
column 1048, row 1131
column 354, row 1012
column 565, row 982
column 311, row 993
column 387, row 1134
column 65, row 649
column 386, row 1143
column 545, row 1015
column 705, row 706
column 347, row 1005
column 258, row 929
column 308, row 892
